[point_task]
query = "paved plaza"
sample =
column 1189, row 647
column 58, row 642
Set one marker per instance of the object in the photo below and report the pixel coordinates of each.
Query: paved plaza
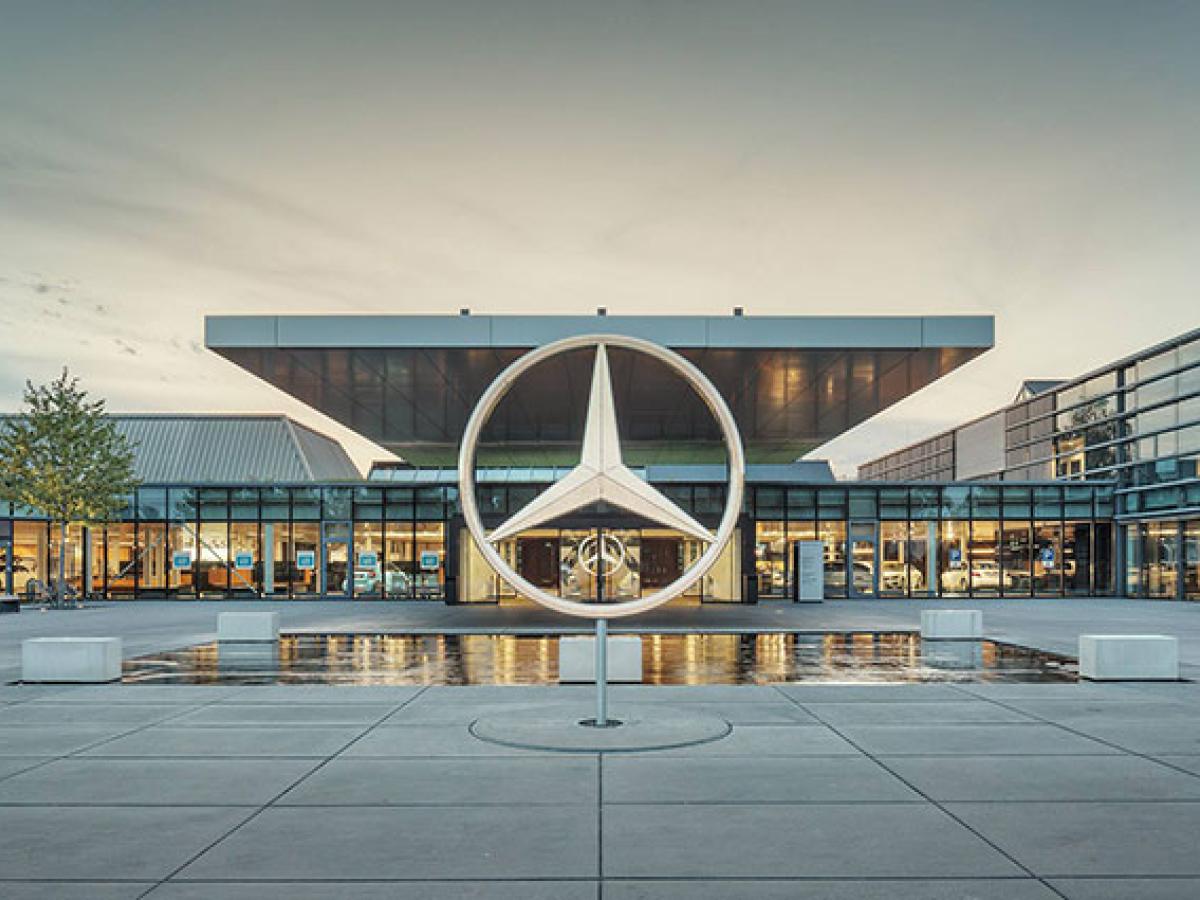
column 921, row 791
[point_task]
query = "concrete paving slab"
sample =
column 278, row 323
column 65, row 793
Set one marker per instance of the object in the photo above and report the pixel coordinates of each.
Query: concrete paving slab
column 1025, row 690
column 167, row 741
column 1016, row 778
column 73, row 890
column 975, row 889
column 902, row 840
column 380, row 890
column 19, row 693
column 12, row 765
column 108, row 843
column 54, row 740
column 765, row 741
column 242, row 714
column 154, row 782
column 1176, row 737
column 421, row 712
column 140, row 693
column 1128, row 888
column 451, row 782
column 440, row 741
column 902, row 713
column 871, row 693
column 974, row 740
column 736, row 713
column 323, row 693
column 694, row 693
column 1106, row 711
column 506, row 693
column 41, row 713
column 751, row 780
column 1096, row 839
column 431, row 842
column 1188, row 763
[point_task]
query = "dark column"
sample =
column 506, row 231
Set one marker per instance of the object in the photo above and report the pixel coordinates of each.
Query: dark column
column 749, row 575
column 454, row 528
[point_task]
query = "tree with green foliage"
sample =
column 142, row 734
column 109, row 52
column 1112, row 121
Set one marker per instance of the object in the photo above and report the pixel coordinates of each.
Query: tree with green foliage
column 63, row 457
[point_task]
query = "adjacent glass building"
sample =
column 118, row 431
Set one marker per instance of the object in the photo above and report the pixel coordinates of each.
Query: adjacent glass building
column 1134, row 423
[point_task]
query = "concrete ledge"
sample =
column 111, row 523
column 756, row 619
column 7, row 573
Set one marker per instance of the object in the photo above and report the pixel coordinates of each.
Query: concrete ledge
column 1128, row 657
column 248, row 626
column 577, row 659
column 951, row 624
column 77, row 660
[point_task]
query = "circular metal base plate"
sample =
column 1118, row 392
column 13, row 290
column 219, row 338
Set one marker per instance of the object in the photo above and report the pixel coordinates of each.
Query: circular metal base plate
column 561, row 728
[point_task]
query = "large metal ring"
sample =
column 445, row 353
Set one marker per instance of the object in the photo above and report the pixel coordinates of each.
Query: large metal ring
column 733, row 499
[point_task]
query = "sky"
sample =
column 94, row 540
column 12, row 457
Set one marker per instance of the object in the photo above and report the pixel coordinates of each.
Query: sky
column 159, row 161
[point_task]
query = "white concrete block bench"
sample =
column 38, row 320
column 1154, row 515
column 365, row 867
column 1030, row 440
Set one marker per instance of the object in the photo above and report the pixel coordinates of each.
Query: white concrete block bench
column 951, row 624
column 577, row 659
column 1128, row 657
column 247, row 626
column 79, row 660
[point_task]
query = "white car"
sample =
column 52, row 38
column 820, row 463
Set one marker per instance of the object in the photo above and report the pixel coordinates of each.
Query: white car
column 980, row 575
column 898, row 576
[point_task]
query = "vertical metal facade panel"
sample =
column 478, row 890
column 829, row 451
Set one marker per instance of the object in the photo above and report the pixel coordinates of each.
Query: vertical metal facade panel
column 979, row 448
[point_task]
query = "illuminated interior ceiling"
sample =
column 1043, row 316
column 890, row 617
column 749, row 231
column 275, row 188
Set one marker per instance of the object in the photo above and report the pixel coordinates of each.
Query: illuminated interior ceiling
column 409, row 382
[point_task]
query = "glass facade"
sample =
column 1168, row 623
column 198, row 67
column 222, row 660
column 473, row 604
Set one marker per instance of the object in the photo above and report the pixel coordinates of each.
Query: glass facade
column 409, row 543
column 1136, row 424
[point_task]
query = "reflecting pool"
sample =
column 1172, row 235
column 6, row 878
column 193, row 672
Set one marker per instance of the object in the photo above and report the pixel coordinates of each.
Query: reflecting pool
column 458, row 659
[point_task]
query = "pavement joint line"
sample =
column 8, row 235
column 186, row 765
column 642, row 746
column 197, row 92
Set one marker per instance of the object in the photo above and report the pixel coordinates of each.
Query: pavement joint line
column 1124, row 750
column 101, row 742
column 468, row 804
column 270, row 803
column 940, row 806
column 518, row 879
column 600, row 821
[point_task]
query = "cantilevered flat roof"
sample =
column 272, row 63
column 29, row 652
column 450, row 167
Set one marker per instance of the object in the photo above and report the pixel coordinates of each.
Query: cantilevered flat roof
column 409, row 382
column 726, row 332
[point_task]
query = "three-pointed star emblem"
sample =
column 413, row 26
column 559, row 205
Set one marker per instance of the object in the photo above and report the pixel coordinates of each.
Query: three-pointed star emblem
column 601, row 475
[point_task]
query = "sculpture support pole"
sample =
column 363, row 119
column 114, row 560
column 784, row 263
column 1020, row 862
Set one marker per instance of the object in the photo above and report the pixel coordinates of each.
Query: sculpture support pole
column 601, row 673
column 601, row 638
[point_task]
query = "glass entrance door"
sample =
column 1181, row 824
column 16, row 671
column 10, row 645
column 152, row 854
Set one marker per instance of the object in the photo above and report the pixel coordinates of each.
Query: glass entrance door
column 864, row 559
column 335, row 559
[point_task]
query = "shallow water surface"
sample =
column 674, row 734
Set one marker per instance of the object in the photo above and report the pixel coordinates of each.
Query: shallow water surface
column 458, row 659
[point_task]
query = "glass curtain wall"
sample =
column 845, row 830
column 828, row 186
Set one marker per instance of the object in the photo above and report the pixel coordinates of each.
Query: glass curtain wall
column 1191, row 559
column 1160, row 554
column 899, row 541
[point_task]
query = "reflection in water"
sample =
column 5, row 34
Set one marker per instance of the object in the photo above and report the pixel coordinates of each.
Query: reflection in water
column 533, row 659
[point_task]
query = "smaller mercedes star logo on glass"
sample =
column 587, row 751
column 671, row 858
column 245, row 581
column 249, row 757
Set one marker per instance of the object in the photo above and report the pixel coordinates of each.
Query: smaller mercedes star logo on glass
column 601, row 475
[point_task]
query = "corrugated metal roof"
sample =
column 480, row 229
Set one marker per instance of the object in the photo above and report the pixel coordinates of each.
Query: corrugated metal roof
column 231, row 449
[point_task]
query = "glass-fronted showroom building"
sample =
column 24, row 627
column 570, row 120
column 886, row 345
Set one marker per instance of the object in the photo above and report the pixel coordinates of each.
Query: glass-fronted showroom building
column 371, row 540
column 236, row 506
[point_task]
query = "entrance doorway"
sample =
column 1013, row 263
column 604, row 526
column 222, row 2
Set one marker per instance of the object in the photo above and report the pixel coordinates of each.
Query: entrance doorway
column 335, row 559
column 864, row 559
column 661, row 561
column 537, row 560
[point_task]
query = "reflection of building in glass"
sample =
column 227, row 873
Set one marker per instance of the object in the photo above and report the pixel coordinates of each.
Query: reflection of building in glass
column 1134, row 422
